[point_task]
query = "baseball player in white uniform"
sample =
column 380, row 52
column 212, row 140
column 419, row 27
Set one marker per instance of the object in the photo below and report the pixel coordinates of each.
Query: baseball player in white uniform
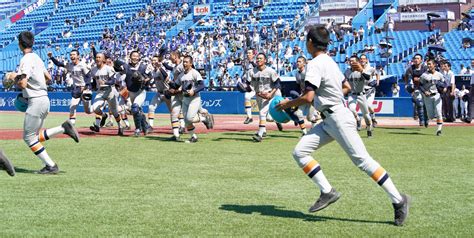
column 357, row 77
column 79, row 73
column 370, row 87
column 250, row 65
column 464, row 101
column 177, row 120
column 159, row 78
column 311, row 113
column 326, row 86
column 31, row 79
column 191, row 84
column 447, row 95
column 104, row 77
column 431, row 98
column 266, row 84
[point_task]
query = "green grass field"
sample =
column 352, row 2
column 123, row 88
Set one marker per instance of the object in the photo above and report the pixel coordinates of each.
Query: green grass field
column 226, row 185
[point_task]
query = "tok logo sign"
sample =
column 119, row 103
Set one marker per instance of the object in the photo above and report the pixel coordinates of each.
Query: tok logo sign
column 201, row 10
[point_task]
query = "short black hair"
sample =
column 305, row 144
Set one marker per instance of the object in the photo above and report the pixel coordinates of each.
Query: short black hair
column 134, row 51
column 355, row 57
column 301, row 57
column 188, row 57
column 418, row 54
column 448, row 63
column 319, row 37
column 74, row 50
column 26, row 39
column 432, row 60
column 360, row 56
column 264, row 55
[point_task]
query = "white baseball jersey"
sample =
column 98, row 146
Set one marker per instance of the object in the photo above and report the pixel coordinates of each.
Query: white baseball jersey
column 324, row 73
column 300, row 78
column 78, row 73
column 192, row 75
column 33, row 67
column 429, row 80
column 177, row 70
column 102, row 75
column 263, row 81
column 370, row 71
column 356, row 80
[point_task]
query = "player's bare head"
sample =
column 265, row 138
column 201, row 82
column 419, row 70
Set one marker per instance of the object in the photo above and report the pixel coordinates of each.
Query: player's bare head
column 363, row 59
column 175, row 56
column 354, row 59
column 100, row 59
column 250, row 54
column 155, row 61
column 301, row 62
column 109, row 61
column 317, row 39
column 417, row 59
column 261, row 59
column 26, row 39
column 431, row 64
column 134, row 57
column 446, row 65
column 74, row 55
column 187, row 62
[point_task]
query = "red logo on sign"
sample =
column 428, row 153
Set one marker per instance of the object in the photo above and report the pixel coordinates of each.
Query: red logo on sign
column 17, row 16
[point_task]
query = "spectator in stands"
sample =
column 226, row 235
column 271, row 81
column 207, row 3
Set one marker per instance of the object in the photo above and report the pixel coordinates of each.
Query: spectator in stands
column 390, row 26
column 464, row 24
column 380, row 71
column 462, row 70
column 370, row 26
column 119, row 15
column 306, row 9
column 361, row 33
column 466, row 44
column 395, row 90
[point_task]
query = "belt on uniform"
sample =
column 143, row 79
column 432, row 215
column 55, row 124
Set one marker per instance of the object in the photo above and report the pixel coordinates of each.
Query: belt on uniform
column 359, row 94
column 329, row 111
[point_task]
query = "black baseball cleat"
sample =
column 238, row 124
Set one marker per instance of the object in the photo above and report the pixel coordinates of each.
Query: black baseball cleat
column 94, row 128
column 248, row 120
column 438, row 133
column 209, row 122
column 182, row 130
column 279, row 126
column 6, row 164
column 192, row 140
column 148, row 130
column 257, row 138
column 359, row 125
column 120, row 131
column 103, row 120
column 374, row 122
column 401, row 210
column 426, row 123
column 369, row 134
column 49, row 170
column 324, row 200
column 70, row 130
column 263, row 135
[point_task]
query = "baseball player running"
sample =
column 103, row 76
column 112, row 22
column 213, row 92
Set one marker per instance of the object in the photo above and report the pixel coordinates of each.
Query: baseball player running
column 160, row 79
column 357, row 77
column 323, row 84
column 104, row 77
column 431, row 98
column 266, row 83
column 312, row 114
column 191, row 84
column 248, row 95
column 31, row 79
column 412, row 81
column 135, row 79
column 370, row 86
column 6, row 165
column 79, row 72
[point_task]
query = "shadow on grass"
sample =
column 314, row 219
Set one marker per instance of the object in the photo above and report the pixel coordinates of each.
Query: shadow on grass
column 29, row 171
column 234, row 139
column 272, row 134
column 405, row 133
column 400, row 128
column 274, row 211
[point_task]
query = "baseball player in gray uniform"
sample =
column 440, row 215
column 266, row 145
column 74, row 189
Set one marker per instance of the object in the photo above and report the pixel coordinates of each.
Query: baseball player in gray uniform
column 159, row 78
column 177, row 120
column 104, row 77
column 326, row 86
column 6, row 165
column 250, row 65
column 191, row 84
column 357, row 77
column 79, row 72
column 266, row 83
column 31, row 79
column 431, row 98
column 370, row 87
column 312, row 114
